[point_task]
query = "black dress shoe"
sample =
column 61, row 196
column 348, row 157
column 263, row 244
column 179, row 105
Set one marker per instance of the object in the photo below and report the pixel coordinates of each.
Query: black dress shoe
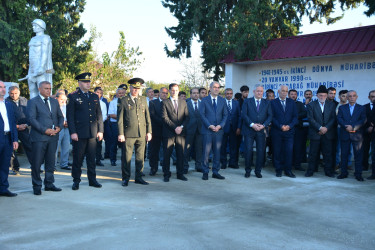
column 181, row 177
column 290, row 174
column 141, row 181
column 359, row 178
column 278, row 174
column 37, row 192
column 75, row 186
column 235, row 167
column 7, row 193
column 372, row 177
column 205, row 177
column 99, row 163
column 53, row 188
column 258, row 175
column 66, row 168
column 342, row 176
column 113, row 164
column 125, row 183
column 166, row 179
column 247, row 174
column 152, row 172
column 199, row 170
column 95, row 184
column 218, row 176
column 308, row 174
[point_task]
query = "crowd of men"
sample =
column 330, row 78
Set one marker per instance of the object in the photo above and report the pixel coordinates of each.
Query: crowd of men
column 205, row 127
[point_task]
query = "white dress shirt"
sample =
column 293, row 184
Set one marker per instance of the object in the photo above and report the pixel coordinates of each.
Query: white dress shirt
column 4, row 114
column 103, row 107
column 49, row 104
column 112, row 110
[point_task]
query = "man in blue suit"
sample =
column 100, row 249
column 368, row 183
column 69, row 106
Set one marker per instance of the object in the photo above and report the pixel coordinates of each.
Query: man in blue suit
column 214, row 115
column 256, row 117
column 284, row 118
column 8, row 140
column 351, row 118
column 232, row 129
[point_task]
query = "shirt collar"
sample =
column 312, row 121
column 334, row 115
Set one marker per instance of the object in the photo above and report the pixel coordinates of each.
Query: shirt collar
column 43, row 97
column 173, row 99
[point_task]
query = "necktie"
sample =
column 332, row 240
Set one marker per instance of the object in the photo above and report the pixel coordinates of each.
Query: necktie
column 229, row 108
column 136, row 101
column 46, row 103
column 175, row 105
column 257, row 105
column 283, row 103
column 195, row 106
column 351, row 110
column 214, row 104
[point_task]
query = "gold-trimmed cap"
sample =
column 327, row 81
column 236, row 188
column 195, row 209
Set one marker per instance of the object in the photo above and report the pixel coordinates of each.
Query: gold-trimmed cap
column 137, row 83
column 84, row 77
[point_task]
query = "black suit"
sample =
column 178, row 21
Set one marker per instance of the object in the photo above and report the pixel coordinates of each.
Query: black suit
column 193, row 136
column 300, row 136
column 172, row 120
column 318, row 119
column 84, row 117
column 44, row 147
column 367, row 136
column 157, row 132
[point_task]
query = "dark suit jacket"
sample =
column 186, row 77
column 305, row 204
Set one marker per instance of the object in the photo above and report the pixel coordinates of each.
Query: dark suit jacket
column 317, row 119
column 20, row 110
column 171, row 120
column 133, row 120
column 84, row 115
column 234, row 117
column 155, row 108
column 250, row 115
column 302, row 113
column 41, row 118
column 12, row 123
column 280, row 118
column 370, row 117
column 209, row 116
column 357, row 120
column 195, row 123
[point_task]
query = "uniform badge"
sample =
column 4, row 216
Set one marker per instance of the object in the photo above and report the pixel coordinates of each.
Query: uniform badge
column 79, row 100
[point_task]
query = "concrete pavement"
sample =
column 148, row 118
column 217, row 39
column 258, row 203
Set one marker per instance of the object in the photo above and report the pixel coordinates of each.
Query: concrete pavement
column 235, row 213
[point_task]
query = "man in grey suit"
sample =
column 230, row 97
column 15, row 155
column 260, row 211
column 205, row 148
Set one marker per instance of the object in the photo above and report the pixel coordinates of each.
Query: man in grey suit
column 193, row 132
column 256, row 117
column 46, row 121
column 175, row 119
column 321, row 114
column 214, row 114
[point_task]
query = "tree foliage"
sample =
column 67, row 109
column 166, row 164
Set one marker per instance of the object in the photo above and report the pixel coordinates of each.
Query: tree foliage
column 62, row 20
column 243, row 26
column 110, row 69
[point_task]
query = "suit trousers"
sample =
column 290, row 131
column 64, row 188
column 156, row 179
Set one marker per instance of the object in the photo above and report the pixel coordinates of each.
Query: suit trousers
column 81, row 148
column 138, row 144
column 299, row 146
column 6, row 150
column 212, row 142
column 63, row 144
column 323, row 145
column 358, row 156
column 230, row 138
column 260, row 139
column 43, row 152
column 107, row 138
column 193, row 140
column 282, row 145
column 114, row 142
column 366, row 149
column 99, row 149
column 155, row 145
column 373, row 155
column 169, row 143
column 24, row 137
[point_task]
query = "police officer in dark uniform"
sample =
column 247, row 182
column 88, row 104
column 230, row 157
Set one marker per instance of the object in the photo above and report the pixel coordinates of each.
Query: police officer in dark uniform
column 134, row 126
column 85, row 123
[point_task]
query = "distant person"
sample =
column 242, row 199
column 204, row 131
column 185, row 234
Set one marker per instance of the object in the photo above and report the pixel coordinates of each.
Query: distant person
column 150, row 95
column 64, row 136
column 368, row 130
column 202, row 93
column 182, row 95
column 103, row 108
column 156, row 94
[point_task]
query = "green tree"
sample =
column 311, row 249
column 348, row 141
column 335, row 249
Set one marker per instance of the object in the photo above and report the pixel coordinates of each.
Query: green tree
column 110, row 69
column 243, row 26
column 62, row 20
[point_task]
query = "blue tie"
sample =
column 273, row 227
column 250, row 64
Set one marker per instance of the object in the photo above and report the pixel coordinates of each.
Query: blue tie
column 195, row 108
column 229, row 108
column 214, row 104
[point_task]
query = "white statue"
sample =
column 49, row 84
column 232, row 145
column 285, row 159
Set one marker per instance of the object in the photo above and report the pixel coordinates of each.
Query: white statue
column 40, row 58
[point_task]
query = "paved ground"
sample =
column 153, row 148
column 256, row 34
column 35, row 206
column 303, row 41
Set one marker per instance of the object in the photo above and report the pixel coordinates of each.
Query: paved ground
column 236, row 213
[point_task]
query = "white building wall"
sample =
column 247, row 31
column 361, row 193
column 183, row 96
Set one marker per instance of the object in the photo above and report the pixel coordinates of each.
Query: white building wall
column 342, row 72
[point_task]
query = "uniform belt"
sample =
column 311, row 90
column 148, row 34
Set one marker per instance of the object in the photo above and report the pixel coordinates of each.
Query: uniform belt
column 7, row 133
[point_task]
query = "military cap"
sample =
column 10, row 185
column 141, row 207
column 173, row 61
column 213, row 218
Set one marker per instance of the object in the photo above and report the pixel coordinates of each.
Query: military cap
column 322, row 89
column 84, row 77
column 123, row 86
column 136, row 82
